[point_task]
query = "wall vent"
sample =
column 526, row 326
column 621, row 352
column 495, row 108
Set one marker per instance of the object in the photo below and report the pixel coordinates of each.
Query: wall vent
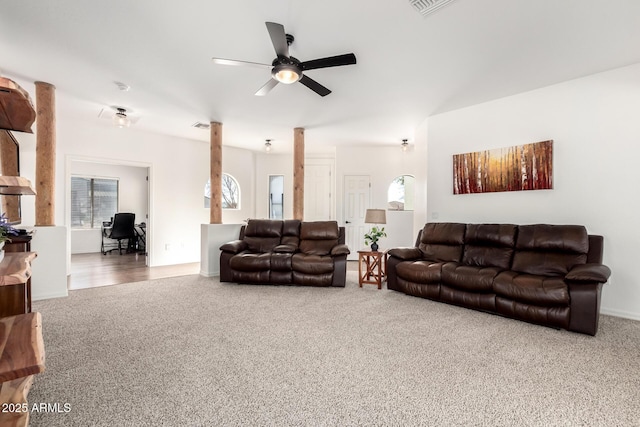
column 425, row 7
column 201, row 125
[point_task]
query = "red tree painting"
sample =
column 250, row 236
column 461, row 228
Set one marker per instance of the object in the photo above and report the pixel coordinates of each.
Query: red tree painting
column 522, row 167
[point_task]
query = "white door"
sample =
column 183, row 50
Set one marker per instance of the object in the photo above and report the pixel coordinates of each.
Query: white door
column 317, row 192
column 357, row 189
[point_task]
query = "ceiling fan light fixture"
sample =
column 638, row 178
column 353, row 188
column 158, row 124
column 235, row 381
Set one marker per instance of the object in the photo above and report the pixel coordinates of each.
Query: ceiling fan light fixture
column 120, row 119
column 405, row 144
column 286, row 73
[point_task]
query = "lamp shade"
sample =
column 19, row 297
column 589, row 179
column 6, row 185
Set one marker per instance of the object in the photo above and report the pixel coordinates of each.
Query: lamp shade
column 375, row 216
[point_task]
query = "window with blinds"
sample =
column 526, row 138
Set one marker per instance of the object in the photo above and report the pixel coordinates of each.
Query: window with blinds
column 93, row 200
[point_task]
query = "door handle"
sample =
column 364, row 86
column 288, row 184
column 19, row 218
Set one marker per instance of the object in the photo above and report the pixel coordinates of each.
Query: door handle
column 348, row 222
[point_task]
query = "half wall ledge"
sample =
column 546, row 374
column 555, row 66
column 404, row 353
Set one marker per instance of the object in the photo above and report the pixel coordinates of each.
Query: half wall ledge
column 212, row 236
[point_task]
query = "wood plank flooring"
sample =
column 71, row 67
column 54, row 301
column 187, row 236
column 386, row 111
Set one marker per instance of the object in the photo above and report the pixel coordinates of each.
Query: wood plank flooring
column 92, row 270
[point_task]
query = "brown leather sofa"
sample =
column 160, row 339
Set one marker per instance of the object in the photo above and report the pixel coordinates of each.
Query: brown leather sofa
column 286, row 252
column 546, row 274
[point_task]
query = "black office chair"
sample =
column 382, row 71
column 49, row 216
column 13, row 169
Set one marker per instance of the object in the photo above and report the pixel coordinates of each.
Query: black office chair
column 122, row 228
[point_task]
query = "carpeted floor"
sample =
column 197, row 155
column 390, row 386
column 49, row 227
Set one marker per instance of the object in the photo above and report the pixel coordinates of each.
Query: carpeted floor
column 189, row 351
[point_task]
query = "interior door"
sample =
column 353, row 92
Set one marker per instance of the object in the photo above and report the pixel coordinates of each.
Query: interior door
column 357, row 191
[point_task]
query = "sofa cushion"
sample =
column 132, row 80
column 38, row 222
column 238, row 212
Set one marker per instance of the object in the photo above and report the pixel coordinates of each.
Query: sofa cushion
column 431, row 291
column 442, row 241
column 480, row 301
column 291, row 232
column 489, row 245
column 550, row 250
column 468, row 277
column 532, row 289
column 556, row 316
column 250, row 276
column 420, row 271
column 312, row 264
column 250, row 261
column 262, row 235
column 281, row 261
column 318, row 237
column 325, row 279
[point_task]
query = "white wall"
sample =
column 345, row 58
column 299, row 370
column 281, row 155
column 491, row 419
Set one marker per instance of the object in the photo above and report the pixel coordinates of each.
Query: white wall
column 383, row 165
column 132, row 197
column 179, row 169
column 596, row 131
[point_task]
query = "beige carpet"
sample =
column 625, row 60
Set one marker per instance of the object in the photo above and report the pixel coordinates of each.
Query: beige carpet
column 189, row 351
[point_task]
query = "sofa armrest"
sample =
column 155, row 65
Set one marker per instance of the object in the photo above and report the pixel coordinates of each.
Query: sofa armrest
column 590, row 272
column 406, row 254
column 285, row 249
column 340, row 250
column 235, row 246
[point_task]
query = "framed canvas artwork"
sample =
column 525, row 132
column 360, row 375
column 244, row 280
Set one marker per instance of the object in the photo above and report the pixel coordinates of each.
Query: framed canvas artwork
column 517, row 168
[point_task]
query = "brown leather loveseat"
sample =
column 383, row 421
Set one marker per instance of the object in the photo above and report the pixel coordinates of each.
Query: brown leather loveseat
column 545, row 274
column 286, row 252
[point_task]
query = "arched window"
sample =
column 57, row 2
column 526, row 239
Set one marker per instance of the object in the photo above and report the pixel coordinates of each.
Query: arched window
column 400, row 193
column 230, row 193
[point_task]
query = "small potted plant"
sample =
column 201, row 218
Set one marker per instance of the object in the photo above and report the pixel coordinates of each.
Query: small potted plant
column 6, row 230
column 373, row 236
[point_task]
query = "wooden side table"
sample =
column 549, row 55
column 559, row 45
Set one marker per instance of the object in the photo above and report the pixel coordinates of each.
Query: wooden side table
column 372, row 267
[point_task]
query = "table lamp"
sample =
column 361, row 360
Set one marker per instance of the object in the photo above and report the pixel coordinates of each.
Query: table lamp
column 375, row 216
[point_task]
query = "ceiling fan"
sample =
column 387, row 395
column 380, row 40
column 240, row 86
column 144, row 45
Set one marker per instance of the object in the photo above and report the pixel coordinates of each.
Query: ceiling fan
column 287, row 69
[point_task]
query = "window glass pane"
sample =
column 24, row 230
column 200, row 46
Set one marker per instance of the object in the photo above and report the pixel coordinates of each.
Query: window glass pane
column 105, row 200
column 207, row 194
column 230, row 193
column 93, row 200
column 276, row 196
column 80, row 202
column 401, row 193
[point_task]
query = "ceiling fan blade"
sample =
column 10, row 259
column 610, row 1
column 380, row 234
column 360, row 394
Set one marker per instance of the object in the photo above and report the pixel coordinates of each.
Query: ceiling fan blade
column 331, row 61
column 314, row 86
column 278, row 38
column 267, row 87
column 222, row 61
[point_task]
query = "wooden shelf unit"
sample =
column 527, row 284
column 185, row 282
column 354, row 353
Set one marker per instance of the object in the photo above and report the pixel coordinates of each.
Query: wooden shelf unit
column 15, row 283
column 16, row 185
column 21, row 357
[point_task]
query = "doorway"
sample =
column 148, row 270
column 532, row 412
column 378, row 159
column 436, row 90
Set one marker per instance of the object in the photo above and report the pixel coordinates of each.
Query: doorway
column 357, row 192
column 276, row 196
column 133, row 194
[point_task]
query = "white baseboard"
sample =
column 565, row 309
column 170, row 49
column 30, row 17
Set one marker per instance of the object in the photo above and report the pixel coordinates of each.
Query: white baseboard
column 41, row 297
column 620, row 313
column 209, row 273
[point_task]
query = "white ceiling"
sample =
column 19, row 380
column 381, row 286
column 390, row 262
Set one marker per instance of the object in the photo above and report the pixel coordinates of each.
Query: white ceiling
column 409, row 66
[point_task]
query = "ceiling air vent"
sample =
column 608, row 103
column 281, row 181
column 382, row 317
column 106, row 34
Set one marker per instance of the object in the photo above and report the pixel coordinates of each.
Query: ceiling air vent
column 425, row 7
column 200, row 125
